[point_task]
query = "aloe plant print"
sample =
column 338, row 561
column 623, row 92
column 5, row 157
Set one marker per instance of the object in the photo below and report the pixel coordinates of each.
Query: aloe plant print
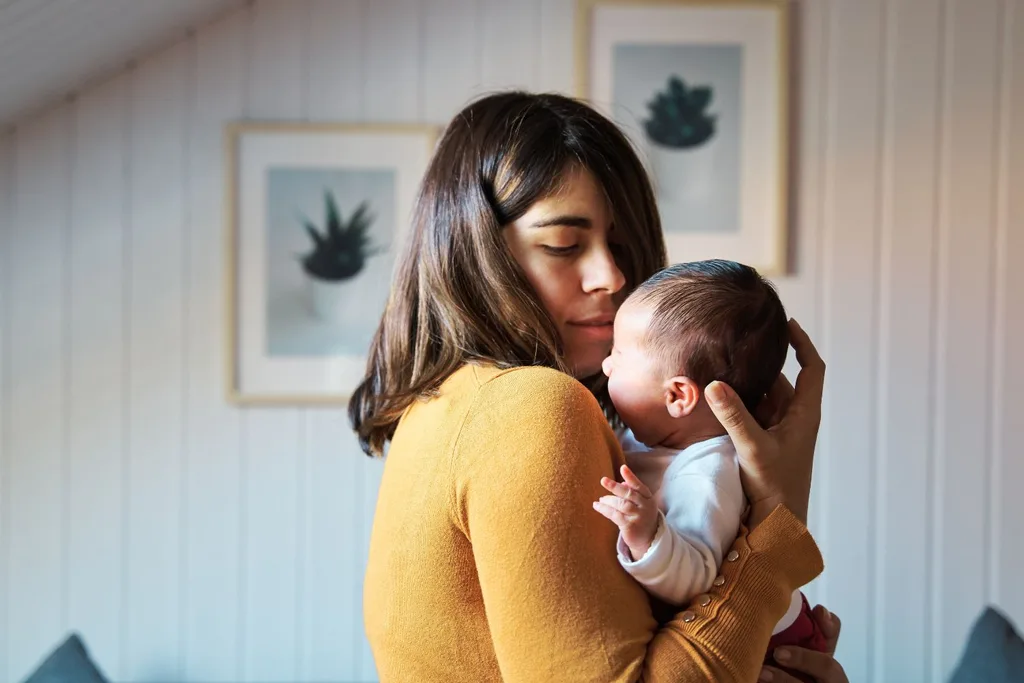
column 341, row 249
column 679, row 119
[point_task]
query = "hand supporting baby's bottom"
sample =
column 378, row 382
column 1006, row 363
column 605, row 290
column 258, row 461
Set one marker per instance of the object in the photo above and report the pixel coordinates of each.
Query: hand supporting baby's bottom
column 633, row 509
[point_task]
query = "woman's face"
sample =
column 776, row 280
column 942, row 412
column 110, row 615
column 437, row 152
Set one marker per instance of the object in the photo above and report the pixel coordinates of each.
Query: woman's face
column 565, row 245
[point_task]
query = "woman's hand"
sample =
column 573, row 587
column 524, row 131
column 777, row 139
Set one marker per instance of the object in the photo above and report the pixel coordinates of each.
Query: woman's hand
column 775, row 464
column 821, row 667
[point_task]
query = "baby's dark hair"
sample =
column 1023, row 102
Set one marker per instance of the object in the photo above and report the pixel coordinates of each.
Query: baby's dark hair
column 717, row 320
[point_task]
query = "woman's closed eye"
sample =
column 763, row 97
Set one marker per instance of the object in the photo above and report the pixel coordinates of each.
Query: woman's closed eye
column 555, row 250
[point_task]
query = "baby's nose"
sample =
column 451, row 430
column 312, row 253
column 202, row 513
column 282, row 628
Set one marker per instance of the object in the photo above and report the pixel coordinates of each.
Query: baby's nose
column 606, row 366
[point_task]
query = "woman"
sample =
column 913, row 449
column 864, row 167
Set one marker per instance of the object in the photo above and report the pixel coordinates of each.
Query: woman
column 487, row 561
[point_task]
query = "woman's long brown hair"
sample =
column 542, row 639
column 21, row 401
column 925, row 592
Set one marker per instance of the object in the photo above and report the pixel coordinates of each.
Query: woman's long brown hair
column 458, row 295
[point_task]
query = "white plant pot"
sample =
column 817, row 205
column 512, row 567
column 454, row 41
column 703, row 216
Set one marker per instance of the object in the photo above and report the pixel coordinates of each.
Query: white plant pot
column 684, row 176
column 331, row 301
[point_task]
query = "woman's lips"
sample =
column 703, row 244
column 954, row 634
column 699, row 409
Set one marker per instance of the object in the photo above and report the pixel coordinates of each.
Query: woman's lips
column 599, row 329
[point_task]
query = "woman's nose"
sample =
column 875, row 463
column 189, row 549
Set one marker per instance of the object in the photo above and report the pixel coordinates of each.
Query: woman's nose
column 602, row 273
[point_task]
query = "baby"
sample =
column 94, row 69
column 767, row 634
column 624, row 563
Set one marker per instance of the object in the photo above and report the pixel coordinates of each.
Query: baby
column 679, row 506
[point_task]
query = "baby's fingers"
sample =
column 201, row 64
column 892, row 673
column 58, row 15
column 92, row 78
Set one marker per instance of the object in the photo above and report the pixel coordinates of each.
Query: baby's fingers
column 622, row 505
column 615, row 487
column 611, row 513
column 625, row 490
column 634, row 482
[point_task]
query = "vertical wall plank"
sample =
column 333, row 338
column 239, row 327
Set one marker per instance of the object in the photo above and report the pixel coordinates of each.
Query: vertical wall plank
column 557, row 47
column 7, row 214
column 1010, row 474
column 37, row 400
column 807, row 148
column 279, row 30
column 334, row 572
column 213, row 440
column 337, row 47
column 907, row 300
column 850, row 308
column 965, row 324
column 511, row 44
column 156, row 370
column 393, row 61
column 97, row 382
column 273, row 436
column 451, row 67
column 158, row 310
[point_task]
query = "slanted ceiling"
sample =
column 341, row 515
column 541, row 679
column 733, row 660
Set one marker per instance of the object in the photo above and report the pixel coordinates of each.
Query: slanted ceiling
column 50, row 49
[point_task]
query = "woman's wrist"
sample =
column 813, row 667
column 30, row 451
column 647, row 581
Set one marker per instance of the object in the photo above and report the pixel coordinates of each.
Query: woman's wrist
column 760, row 509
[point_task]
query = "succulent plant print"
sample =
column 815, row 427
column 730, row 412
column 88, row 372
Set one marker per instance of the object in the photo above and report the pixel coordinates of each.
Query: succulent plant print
column 341, row 249
column 679, row 119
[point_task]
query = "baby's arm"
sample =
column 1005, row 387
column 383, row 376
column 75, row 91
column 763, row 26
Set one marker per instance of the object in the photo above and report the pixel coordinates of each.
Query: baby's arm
column 703, row 511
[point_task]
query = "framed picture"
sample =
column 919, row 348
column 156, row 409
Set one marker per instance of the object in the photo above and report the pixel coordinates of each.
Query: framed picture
column 316, row 217
column 701, row 88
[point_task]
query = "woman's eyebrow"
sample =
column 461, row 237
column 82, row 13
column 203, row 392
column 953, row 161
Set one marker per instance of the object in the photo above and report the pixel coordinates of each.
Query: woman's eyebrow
column 567, row 220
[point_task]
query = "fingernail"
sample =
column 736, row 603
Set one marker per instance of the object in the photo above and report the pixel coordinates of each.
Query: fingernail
column 715, row 393
column 781, row 655
column 765, row 675
column 828, row 617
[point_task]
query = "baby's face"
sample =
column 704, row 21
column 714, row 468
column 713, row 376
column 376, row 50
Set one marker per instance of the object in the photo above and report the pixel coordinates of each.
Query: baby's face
column 636, row 381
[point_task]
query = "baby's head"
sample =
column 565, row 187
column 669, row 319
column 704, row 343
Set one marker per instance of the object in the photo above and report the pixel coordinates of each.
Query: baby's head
column 685, row 327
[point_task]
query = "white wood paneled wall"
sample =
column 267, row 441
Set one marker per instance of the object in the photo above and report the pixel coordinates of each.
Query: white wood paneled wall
column 189, row 540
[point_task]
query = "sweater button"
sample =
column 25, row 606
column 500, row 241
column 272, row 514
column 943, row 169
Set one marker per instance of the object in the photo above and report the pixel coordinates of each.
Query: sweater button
column 732, row 556
column 688, row 616
column 704, row 600
column 719, row 581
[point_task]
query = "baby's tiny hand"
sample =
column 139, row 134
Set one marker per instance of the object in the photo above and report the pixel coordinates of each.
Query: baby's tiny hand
column 631, row 506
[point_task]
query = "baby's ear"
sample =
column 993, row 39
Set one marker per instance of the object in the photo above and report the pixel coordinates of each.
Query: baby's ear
column 681, row 396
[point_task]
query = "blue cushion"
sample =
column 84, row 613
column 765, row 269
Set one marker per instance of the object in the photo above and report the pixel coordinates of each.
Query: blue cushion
column 69, row 663
column 994, row 652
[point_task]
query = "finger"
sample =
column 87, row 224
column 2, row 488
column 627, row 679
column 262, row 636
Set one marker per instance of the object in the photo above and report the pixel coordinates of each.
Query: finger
column 621, row 490
column 634, row 482
column 765, row 412
column 615, row 487
column 770, row 674
column 821, row 665
column 810, row 382
column 626, row 507
column 733, row 415
column 611, row 513
column 778, row 399
column 829, row 625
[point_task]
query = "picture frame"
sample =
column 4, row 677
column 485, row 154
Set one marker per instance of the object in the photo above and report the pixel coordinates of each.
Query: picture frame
column 316, row 215
column 701, row 88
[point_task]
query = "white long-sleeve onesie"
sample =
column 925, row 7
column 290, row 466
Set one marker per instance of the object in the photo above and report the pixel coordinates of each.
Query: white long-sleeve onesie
column 701, row 504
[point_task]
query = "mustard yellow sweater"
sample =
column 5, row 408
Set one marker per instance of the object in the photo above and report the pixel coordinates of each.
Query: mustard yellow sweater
column 488, row 562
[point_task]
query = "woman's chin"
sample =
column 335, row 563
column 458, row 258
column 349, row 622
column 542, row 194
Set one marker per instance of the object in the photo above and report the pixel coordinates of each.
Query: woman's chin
column 587, row 364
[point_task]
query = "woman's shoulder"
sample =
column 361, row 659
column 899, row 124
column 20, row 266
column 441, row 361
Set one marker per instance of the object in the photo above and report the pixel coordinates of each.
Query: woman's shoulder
column 531, row 384
column 529, row 394
column 533, row 412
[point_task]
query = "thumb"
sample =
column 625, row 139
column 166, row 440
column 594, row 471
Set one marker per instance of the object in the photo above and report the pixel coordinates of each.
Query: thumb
column 730, row 411
column 829, row 625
